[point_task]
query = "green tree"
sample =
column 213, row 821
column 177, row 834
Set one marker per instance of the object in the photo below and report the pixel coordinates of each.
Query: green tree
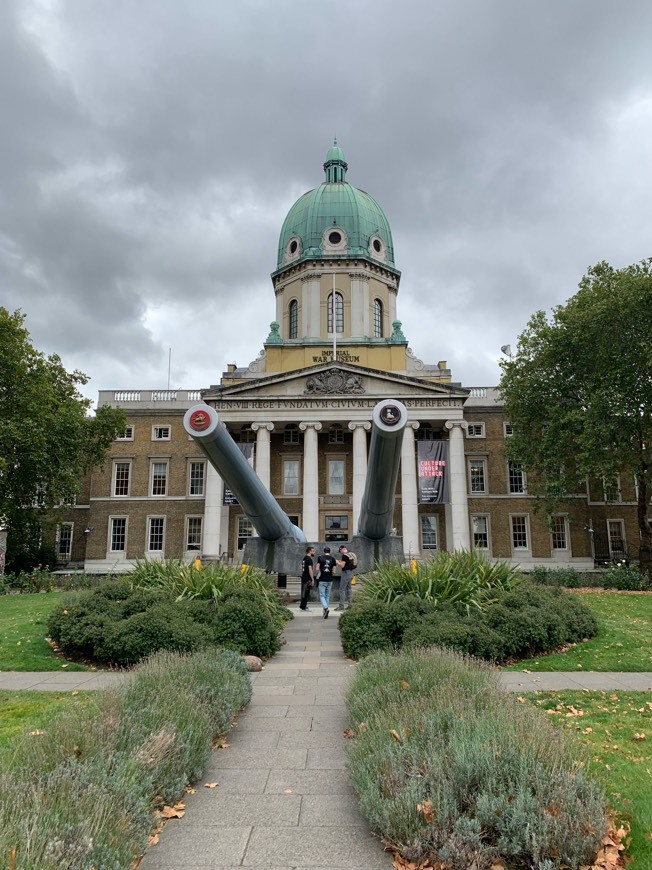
column 47, row 438
column 579, row 390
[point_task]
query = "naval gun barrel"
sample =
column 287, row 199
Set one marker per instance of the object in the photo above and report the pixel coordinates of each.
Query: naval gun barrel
column 203, row 424
column 389, row 419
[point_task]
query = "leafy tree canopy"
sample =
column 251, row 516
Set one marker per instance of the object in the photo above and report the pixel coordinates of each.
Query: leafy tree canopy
column 47, row 438
column 579, row 390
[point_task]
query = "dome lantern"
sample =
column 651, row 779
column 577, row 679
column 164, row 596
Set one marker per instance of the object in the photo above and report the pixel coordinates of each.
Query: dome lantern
column 335, row 165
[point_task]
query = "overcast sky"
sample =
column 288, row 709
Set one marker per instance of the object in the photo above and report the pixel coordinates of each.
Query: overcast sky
column 150, row 150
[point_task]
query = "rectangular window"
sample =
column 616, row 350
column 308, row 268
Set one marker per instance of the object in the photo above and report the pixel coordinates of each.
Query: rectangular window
column 611, row 486
column 428, row 532
column 616, row 531
column 519, row 533
column 336, row 477
column 193, row 533
column 127, row 435
column 480, row 526
column 336, row 522
column 160, row 433
column 196, row 475
column 509, row 431
column 516, row 477
column 475, row 430
column 336, row 436
column 159, row 478
column 477, row 475
column 121, row 474
column 245, row 531
column 291, row 434
column 118, row 534
column 291, row 476
column 64, row 541
column 559, row 532
column 156, row 527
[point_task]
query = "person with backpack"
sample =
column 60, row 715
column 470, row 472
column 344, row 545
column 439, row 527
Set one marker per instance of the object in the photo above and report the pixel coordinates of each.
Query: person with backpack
column 347, row 563
column 307, row 577
column 325, row 565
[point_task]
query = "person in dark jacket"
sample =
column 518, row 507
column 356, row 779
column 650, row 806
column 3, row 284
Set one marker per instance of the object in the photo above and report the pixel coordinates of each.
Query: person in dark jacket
column 307, row 577
column 326, row 565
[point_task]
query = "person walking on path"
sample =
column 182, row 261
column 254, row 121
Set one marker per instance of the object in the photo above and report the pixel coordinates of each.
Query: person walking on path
column 346, row 564
column 307, row 577
column 325, row 563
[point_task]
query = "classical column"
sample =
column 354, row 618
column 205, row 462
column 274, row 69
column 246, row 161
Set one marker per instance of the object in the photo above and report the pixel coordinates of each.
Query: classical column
column 215, row 532
column 359, row 304
column 457, row 512
column 359, row 467
column 310, row 305
column 310, row 520
column 262, row 460
column 409, row 497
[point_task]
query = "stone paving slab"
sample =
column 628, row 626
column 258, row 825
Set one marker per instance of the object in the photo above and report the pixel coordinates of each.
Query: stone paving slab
column 216, row 808
column 331, row 782
column 317, row 846
column 200, row 845
column 248, row 759
column 318, row 809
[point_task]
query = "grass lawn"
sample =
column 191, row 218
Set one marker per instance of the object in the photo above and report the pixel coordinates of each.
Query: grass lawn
column 622, row 642
column 23, row 646
column 616, row 729
column 26, row 710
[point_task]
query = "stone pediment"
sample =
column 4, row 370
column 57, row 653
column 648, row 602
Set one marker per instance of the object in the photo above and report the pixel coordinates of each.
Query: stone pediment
column 330, row 381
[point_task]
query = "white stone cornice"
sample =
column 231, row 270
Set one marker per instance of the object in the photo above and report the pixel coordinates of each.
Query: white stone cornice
column 257, row 426
column 311, row 276
column 310, row 425
column 359, row 276
column 365, row 424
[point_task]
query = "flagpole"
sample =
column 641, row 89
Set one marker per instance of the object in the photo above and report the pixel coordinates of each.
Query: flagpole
column 334, row 323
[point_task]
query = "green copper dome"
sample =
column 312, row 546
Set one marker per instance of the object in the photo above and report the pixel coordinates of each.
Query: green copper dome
column 336, row 220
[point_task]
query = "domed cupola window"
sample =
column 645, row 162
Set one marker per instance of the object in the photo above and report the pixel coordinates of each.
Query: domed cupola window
column 293, row 249
column 334, row 240
column 377, row 248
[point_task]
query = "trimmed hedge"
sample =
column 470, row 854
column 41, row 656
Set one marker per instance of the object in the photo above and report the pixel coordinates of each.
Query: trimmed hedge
column 528, row 621
column 118, row 625
column 86, row 791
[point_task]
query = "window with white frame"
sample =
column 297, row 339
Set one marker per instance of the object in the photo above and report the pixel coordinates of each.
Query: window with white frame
column 480, row 527
column 160, row 433
column 336, row 434
column 616, row 533
column 245, row 531
column 127, row 435
column 159, row 478
column 508, row 429
column 559, row 531
column 247, row 435
column 196, row 477
column 339, row 312
column 336, row 477
column 293, row 316
column 155, row 534
column 378, row 318
column 520, row 539
column 193, row 533
column 64, row 541
column 121, row 478
column 611, row 487
column 516, row 477
column 291, row 476
column 291, row 434
column 425, row 433
column 428, row 532
column 477, row 475
column 118, row 534
column 475, row 430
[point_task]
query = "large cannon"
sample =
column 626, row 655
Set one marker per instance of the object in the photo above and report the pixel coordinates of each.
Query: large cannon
column 280, row 545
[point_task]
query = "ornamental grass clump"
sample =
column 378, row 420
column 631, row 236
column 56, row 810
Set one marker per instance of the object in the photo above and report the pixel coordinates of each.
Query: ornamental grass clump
column 461, row 576
column 448, row 768
column 85, row 792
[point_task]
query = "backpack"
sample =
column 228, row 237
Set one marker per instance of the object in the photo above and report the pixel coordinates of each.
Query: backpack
column 353, row 558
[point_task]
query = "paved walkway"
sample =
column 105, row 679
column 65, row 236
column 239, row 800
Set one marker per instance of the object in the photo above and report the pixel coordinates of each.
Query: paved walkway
column 283, row 798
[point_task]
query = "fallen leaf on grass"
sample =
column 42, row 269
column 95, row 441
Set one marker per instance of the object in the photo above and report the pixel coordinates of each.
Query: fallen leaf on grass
column 74, row 692
column 172, row 812
column 36, row 733
column 404, row 684
column 396, row 735
column 210, row 784
column 348, row 732
column 639, row 737
column 426, row 809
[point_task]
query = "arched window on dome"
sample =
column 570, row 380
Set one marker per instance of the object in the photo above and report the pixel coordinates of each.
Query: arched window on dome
column 378, row 318
column 339, row 312
column 293, row 316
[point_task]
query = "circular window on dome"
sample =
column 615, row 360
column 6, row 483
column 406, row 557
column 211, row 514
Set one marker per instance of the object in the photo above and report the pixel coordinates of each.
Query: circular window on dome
column 377, row 248
column 335, row 237
column 293, row 249
column 293, row 246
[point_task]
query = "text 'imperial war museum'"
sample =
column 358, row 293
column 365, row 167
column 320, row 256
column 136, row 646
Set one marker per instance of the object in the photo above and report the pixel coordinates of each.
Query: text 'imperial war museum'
column 301, row 414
